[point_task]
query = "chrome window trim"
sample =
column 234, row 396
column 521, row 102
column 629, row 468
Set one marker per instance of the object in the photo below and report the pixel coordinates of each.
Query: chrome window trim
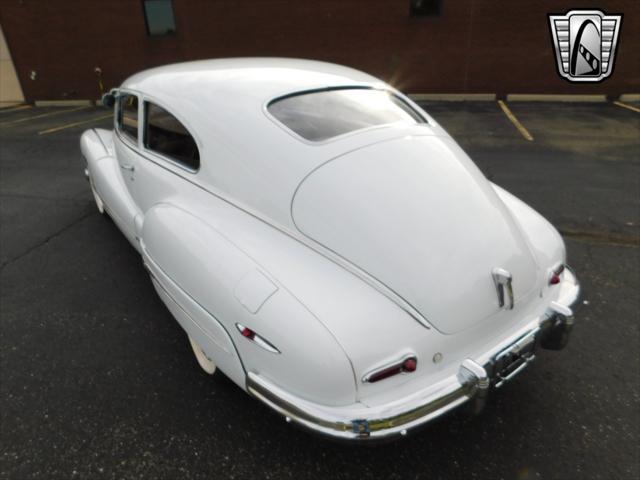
column 124, row 136
column 147, row 99
column 270, row 116
column 170, row 160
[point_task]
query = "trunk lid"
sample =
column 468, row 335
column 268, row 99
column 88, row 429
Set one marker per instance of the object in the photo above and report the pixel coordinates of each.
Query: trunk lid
column 417, row 214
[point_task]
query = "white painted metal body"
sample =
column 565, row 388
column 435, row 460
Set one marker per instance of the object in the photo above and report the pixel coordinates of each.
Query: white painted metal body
column 345, row 255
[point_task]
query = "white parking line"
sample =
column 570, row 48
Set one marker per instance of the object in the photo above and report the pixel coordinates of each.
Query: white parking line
column 13, row 109
column 525, row 133
column 626, row 105
column 75, row 124
column 48, row 114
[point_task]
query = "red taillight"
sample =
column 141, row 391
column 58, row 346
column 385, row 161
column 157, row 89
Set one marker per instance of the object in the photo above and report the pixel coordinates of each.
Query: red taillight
column 408, row 365
column 247, row 332
column 386, row 373
column 555, row 275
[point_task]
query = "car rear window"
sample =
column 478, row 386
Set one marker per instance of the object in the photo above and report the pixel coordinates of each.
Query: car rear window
column 321, row 115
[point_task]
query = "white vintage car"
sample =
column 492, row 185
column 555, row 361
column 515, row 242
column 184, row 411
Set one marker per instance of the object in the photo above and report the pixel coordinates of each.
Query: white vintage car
column 325, row 243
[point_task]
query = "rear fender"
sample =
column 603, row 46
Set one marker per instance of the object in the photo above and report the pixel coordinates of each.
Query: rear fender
column 208, row 333
column 220, row 287
column 543, row 238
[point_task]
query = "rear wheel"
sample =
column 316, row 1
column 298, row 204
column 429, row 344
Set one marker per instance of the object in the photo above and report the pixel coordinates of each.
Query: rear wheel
column 204, row 361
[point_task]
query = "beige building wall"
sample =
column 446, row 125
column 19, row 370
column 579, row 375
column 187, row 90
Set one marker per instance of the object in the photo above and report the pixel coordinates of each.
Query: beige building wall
column 10, row 90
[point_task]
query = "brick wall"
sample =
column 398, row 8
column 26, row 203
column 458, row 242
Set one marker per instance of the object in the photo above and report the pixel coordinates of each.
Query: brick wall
column 472, row 46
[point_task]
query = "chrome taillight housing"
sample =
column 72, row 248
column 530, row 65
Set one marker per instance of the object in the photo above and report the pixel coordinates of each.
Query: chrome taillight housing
column 407, row 364
column 555, row 276
column 250, row 334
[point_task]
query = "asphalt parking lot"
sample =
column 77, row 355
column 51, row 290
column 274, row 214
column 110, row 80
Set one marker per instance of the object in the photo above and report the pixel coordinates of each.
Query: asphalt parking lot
column 98, row 381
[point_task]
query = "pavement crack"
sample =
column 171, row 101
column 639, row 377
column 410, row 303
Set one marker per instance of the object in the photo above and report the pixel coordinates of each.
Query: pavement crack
column 46, row 240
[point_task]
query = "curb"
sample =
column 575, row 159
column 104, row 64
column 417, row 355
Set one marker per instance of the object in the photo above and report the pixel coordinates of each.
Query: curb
column 63, row 103
column 527, row 97
column 10, row 104
column 630, row 97
column 453, row 97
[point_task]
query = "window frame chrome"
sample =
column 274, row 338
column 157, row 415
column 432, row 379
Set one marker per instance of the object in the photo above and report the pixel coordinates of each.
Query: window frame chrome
column 122, row 135
column 148, row 99
column 138, row 147
column 297, row 136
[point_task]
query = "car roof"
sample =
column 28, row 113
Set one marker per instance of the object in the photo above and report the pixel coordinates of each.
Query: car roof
column 245, row 153
column 264, row 78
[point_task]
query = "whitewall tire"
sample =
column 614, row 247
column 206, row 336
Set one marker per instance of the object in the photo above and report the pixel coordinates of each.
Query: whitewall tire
column 204, row 361
column 99, row 202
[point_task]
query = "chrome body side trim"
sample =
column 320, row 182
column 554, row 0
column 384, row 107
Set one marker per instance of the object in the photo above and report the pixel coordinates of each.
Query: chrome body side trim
column 471, row 383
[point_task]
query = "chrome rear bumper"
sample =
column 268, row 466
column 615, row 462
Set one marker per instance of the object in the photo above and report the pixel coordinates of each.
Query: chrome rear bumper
column 471, row 383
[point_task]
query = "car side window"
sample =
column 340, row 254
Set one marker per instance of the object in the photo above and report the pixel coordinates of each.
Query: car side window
column 164, row 134
column 128, row 116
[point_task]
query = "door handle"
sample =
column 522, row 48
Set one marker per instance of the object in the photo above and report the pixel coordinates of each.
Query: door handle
column 131, row 168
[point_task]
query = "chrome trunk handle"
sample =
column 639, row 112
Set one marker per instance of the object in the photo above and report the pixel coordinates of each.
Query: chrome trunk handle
column 504, row 288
